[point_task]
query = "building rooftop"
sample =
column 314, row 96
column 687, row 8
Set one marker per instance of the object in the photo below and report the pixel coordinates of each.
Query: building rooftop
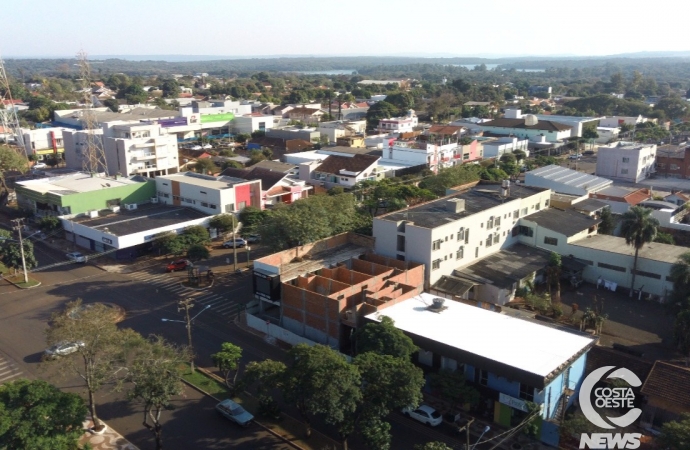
column 669, row 382
column 546, row 125
column 625, row 145
column 567, row 222
column 569, row 177
column 345, row 150
column 672, row 150
column 356, row 164
column 274, row 166
column 269, row 178
column 144, row 218
column 555, row 118
column 589, row 205
column 480, row 198
column 209, row 181
column 629, row 195
column 75, row 183
column 526, row 346
column 653, row 251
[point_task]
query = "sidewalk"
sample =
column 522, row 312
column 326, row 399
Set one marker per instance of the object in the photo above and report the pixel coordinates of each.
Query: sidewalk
column 109, row 440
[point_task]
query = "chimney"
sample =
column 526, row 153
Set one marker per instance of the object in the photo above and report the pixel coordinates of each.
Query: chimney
column 455, row 205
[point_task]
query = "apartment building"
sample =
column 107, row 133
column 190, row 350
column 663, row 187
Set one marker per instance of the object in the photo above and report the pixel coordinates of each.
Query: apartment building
column 626, row 161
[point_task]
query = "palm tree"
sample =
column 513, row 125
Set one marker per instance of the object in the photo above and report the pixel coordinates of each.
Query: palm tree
column 680, row 275
column 638, row 227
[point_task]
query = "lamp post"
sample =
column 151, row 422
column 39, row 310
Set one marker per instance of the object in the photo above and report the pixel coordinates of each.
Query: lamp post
column 186, row 305
column 486, row 429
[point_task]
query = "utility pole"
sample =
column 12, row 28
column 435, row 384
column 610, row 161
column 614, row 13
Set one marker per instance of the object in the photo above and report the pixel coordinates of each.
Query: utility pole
column 185, row 305
column 18, row 223
column 466, row 428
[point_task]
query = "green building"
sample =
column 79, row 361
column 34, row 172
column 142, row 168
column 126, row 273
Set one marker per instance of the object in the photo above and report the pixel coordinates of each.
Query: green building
column 79, row 193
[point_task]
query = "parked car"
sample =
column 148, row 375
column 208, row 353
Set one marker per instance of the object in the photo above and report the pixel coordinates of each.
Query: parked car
column 575, row 156
column 40, row 165
column 63, row 349
column 232, row 411
column 253, row 238
column 588, row 152
column 196, row 147
column 76, row 257
column 424, row 414
column 206, row 146
column 180, row 264
column 237, row 242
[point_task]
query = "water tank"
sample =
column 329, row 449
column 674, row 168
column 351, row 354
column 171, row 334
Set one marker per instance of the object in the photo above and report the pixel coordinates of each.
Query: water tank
column 437, row 302
column 531, row 119
column 410, row 112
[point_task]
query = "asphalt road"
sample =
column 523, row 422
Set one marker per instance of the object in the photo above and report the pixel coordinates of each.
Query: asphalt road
column 147, row 296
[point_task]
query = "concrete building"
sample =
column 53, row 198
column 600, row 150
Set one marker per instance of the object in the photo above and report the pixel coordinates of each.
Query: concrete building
column 438, row 148
column 565, row 181
column 528, row 127
column 607, row 134
column 277, row 186
column 577, row 123
column 345, row 171
column 338, row 128
column 673, row 161
column 512, row 361
column 617, row 121
column 209, row 194
column 456, row 230
column 289, row 133
column 79, row 193
column 497, row 147
column 626, row 161
column 250, row 123
column 620, row 198
column 44, row 142
column 398, row 124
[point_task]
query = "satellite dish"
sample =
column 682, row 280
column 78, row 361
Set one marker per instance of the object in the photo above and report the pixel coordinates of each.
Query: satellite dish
column 531, row 119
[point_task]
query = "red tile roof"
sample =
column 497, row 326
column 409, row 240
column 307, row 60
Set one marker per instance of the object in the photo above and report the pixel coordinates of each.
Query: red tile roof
column 670, row 383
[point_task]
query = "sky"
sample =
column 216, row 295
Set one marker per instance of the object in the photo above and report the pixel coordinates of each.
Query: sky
column 242, row 28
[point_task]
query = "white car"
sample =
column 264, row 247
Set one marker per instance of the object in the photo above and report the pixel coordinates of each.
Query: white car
column 425, row 414
column 76, row 257
column 196, row 147
column 40, row 165
column 577, row 156
column 63, row 349
column 207, row 146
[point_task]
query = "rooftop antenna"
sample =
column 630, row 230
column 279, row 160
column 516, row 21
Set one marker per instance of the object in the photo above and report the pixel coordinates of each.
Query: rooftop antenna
column 92, row 152
column 8, row 115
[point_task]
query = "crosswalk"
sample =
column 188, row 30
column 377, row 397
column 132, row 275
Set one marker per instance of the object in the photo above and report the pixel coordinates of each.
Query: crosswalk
column 173, row 284
column 8, row 370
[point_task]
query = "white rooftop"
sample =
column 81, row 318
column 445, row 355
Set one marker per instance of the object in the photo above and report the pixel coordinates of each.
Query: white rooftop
column 75, row 183
column 208, row 181
column 528, row 346
column 569, row 177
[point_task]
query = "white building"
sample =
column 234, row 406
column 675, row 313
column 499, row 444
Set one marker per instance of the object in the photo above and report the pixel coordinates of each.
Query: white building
column 497, row 147
column 626, row 161
column 43, row 142
column 457, row 230
column 208, row 194
column 399, row 124
column 617, row 121
column 345, row 171
column 339, row 128
column 438, row 148
column 529, row 127
column 249, row 123
column 565, row 181
column 607, row 134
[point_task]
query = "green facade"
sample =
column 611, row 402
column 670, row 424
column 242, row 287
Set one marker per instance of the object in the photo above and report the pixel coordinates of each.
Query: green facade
column 94, row 200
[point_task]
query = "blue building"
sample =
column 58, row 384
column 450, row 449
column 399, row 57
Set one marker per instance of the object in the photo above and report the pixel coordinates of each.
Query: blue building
column 511, row 360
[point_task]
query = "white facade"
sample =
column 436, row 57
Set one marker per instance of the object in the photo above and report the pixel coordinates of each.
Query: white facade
column 617, row 121
column 337, row 129
column 565, row 181
column 139, row 149
column 249, row 124
column 495, row 148
column 607, row 134
column 43, row 141
column 399, row 124
column 626, row 161
column 455, row 243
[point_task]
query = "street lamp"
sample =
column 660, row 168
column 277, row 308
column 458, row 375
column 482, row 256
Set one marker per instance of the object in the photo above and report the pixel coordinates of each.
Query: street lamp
column 186, row 305
column 486, row 429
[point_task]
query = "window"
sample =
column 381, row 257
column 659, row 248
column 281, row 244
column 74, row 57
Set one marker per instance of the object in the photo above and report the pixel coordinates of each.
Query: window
column 230, row 207
column 212, row 206
column 467, row 236
column 526, row 231
column 550, row 241
column 526, row 392
column 460, row 253
column 516, row 214
column 436, row 245
column 202, row 192
column 204, row 204
column 626, row 159
column 483, row 377
column 497, row 237
column 166, row 195
column 436, row 264
column 497, row 222
column 476, row 252
column 546, row 203
column 489, row 240
column 242, row 205
column 524, row 212
column 490, row 223
column 537, row 206
column 642, row 273
column 611, row 267
column 624, row 171
column 461, row 234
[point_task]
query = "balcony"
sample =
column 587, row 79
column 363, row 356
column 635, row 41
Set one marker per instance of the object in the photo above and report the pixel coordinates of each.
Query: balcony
column 143, row 156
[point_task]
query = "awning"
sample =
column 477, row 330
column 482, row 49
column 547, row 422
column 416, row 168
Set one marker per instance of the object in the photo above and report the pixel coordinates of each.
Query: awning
column 453, row 285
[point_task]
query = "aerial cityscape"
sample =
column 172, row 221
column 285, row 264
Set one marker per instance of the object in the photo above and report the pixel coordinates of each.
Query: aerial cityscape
column 344, row 226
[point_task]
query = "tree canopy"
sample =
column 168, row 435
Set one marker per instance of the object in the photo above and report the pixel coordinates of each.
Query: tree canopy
column 385, row 339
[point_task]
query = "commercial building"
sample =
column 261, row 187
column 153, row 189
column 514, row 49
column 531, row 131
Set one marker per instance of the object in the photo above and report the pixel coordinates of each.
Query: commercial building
column 497, row 147
column 510, row 360
column 277, row 186
column 626, row 161
column 673, row 161
column 250, row 123
column 565, row 181
column 44, row 142
column 438, row 148
column 209, row 194
column 399, row 124
column 79, row 193
column 528, row 127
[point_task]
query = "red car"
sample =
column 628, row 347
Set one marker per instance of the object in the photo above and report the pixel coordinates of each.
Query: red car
column 180, row 264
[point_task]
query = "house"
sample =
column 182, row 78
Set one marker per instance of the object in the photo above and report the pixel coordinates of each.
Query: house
column 398, row 124
column 338, row 128
column 282, row 110
column 677, row 197
column 208, row 194
column 511, row 361
column 667, row 391
column 438, row 148
column 343, row 281
column 673, row 161
column 79, row 193
column 577, row 123
column 456, row 230
column 306, row 115
column 528, row 127
column 351, row 141
column 565, row 181
column 620, row 198
column 607, row 134
column 626, row 161
column 277, row 186
column 345, row 171
column 287, row 133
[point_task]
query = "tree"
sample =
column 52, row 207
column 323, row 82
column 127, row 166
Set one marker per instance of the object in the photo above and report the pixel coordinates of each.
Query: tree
column 49, row 224
column 37, row 415
column 170, row 88
column 223, row 222
column 638, row 227
column 198, row 252
column 11, row 255
column 553, row 271
column 432, row 446
column 664, row 238
column 104, row 346
column 320, row 381
column 680, row 275
column 388, row 383
column 681, row 334
column 251, row 218
column 520, row 155
column 153, row 373
column 242, row 137
column 267, row 376
column 112, row 104
column 673, row 107
column 256, row 156
column 134, row 94
column 383, row 338
column 169, row 243
column 195, row 234
column 607, row 224
column 675, row 435
column 205, row 166
column 378, row 111
column 227, row 359
column 232, row 164
column 401, row 100
column 452, row 387
column 10, row 160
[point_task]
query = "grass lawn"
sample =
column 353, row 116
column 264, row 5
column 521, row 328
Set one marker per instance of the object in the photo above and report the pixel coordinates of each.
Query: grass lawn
column 286, row 426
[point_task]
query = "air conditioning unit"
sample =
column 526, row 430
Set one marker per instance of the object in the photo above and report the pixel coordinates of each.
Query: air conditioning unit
column 130, row 206
column 115, row 208
column 154, row 199
column 93, row 214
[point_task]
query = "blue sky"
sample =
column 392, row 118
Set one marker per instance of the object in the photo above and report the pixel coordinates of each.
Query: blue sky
column 50, row 28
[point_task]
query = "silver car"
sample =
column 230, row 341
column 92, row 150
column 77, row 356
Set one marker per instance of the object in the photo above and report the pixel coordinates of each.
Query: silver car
column 233, row 411
column 63, row 349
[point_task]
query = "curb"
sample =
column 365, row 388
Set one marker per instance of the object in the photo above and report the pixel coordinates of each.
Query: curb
column 20, row 287
column 213, row 376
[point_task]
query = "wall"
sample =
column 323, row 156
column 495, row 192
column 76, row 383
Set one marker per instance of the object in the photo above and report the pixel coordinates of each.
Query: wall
column 551, row 136
column 131, row 193
column 610, row 162
column 275, row 331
